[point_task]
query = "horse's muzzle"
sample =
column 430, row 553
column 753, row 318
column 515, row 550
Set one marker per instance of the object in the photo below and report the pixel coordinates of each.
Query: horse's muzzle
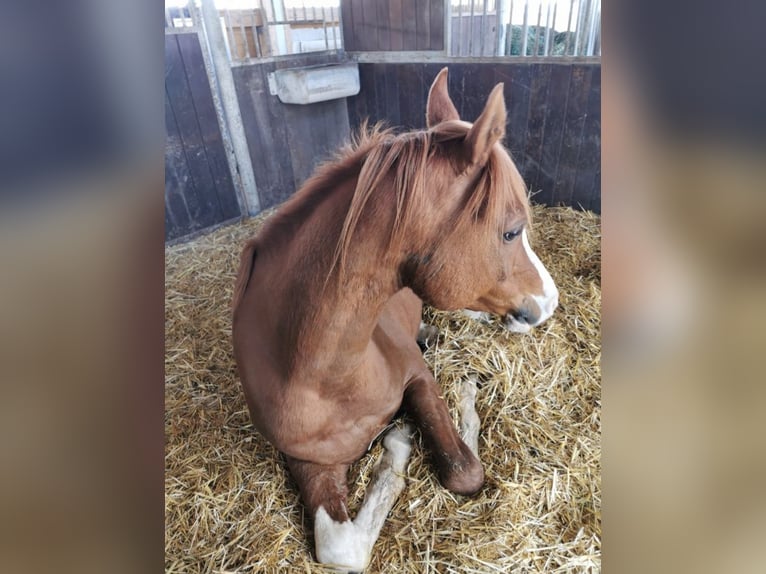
column 533, row 311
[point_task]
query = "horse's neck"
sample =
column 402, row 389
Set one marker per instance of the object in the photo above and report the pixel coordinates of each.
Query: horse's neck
column 330, row 325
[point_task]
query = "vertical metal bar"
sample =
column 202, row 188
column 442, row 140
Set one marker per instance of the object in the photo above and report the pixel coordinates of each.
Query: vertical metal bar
column 459, row 28
column 577, row 29
column 568, row 43
column 483, row 29
column 334, row 35
column 447, row 28
column 524, row 29
column 509, row 32
column 547, row 30
column 592, row 29
column 168, row 18
column 324, row 29
column 537, row 28
column 470, row 30
column 212, row 23
column 305, row 16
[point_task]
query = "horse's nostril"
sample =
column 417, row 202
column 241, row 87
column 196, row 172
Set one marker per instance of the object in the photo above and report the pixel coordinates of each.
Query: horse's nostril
column 521, row 315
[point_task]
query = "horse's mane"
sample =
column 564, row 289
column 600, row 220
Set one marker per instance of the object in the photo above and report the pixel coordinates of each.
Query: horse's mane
column 407, row 155
column 376, row 153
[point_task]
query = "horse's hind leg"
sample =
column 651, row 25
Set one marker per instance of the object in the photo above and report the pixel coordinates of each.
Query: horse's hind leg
column 457, row 464
column 340, row 542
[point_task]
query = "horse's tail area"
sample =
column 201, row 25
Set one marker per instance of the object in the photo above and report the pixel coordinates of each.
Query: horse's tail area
column 246, row 261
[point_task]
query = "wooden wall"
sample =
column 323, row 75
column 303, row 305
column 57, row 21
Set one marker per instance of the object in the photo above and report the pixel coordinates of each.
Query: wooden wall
column 554, row 116
column 199, row 192
column 286, row 141
column 396, row 25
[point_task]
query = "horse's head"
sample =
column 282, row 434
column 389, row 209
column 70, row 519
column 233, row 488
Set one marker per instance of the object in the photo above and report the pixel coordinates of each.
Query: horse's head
column 478, row 255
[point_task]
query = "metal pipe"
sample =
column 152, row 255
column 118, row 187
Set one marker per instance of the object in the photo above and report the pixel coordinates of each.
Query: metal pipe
column 217, row 47
column 524, row 29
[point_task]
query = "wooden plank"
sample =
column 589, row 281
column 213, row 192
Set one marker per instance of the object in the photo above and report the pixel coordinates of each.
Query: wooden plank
column 409, row 25
column 314, row 132
column 368, row 31
column 411, row 98
column 395, row 21
column 423, row 24
column 357, row 25
column 538, row 112
column 383, row 25
column 379, row 76
column 589, row 157
column 556, row 106
column 577, row 110
column 266, row 134
column 517, row 80
column 391, row 95
column 357, row 105
column 204, row 209
column 196, row 75
column 437, row 25
column 176, row 171
column 347, row 23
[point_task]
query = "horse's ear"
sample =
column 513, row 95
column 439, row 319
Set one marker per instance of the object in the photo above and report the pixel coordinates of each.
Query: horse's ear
column 488, row 129
column 440, row 107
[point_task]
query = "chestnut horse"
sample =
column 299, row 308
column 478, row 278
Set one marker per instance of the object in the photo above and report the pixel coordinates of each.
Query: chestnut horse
column 329, row 297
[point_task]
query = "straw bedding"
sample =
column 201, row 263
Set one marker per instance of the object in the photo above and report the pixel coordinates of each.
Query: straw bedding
column 230, row 505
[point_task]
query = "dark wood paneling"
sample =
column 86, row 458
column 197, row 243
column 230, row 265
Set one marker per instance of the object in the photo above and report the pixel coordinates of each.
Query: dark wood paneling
column 287, row 142
column 199, row 191
column 574, row 125
column 375, row 25
column 436, row 26
column 555, row 114
column 554, row 119
column 423, row 24
column 207, row 120
column 395, row 30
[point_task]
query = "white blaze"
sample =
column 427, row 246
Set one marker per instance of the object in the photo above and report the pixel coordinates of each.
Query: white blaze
column 549, row 299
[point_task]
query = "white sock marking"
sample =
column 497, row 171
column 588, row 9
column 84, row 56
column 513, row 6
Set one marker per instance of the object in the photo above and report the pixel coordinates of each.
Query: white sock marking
column 348, row 545
column 469, row 418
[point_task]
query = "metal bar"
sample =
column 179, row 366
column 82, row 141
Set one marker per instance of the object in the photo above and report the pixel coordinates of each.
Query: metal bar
column 470, row 30
column 537, row 28
column 524, row 29
column 593, row 24
column 459, row 28
column 447, row 28
column 215, row 41
column 168, row 18
column 509, row 32
column 334, row 35
column 324, row 28
column 547, row 29
column 553, row 23
column 568, row 43
column 483, row 29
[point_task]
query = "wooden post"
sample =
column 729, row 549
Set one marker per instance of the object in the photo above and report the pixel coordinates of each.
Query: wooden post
column 217, row 46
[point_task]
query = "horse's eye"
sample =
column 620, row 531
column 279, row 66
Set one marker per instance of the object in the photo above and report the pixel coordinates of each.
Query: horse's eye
column 509, row 236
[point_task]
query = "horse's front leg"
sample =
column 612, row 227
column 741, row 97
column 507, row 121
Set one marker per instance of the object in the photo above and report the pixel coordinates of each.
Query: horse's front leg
column 458, row 466
column 342, row 543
